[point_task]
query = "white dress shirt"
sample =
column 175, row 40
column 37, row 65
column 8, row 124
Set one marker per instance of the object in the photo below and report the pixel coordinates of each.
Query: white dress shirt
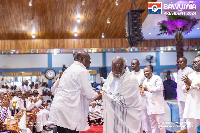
column 139, row 76
column 155, row 99
column 70, row 106
column 54, row 88
column 192, row 102
column 180, row 94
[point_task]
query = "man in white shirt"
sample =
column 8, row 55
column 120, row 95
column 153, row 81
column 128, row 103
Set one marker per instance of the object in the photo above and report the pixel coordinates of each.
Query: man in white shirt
column 70, row 106
column 153, row 87
column 122, row 103
column 139, row 74
column 183, row 71
column 192, row 88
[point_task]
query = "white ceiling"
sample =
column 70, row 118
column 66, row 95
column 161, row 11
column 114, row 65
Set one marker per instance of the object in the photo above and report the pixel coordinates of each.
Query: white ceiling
column 150, row 23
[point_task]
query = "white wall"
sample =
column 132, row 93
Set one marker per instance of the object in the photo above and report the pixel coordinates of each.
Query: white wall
column 67, row 59
column 24, row 61
column 62, row 59
column 96, row 59
column 190, row 56
column 169, row 58
column 141, row 56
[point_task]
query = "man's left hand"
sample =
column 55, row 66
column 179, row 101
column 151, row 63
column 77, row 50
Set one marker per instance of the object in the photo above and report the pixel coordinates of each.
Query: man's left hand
column 145, row 88
column 186, row 80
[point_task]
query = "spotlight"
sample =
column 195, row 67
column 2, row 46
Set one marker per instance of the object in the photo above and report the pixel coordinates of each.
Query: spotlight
column 149, row 33
column 78, row 20
column 102, row 35
column 108, row 20
column 197, row 28
column 75, row 34
column 116, row 3
column 33, row 36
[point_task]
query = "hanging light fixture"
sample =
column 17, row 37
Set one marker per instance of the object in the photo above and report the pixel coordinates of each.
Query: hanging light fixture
column 116, row 3
column 33, row 35
column 78, row 20
column 75, row 34
column 30, row 3
column 102, row 36
column 108, row 20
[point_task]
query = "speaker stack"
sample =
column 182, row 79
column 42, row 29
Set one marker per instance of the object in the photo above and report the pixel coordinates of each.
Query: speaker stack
column 103, row 72
column 134, row 27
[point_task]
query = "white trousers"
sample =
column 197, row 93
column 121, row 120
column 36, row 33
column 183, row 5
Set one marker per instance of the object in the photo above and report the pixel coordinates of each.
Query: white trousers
column 192, row 125
column 157, row 124
column 42, row 117
column 146, row 124
column 181, row 106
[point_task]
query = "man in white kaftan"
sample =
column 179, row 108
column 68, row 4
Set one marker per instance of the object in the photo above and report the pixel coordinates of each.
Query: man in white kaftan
column 183, row 70
column 121, row 100
column 192, row 102
column 153, row 89
column 139, row 74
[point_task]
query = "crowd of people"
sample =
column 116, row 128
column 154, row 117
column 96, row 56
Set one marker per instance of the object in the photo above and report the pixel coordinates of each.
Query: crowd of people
column 34, row 97
column 129, row 100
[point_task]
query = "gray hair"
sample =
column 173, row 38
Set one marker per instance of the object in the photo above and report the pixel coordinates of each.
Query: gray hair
column 120, row 58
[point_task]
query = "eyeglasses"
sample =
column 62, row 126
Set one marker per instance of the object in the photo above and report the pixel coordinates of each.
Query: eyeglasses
column 195, row 62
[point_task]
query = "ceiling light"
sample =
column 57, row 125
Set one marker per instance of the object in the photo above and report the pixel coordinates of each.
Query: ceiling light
column 116, row 3
column 78, row 20
column 108, row 20
column 161, row 51
column 149, row 33
column 83, row 3
column 75, row 34
column 171, row 1
column 102, row 35
column 197, row 28
column 30, row 3
column 33, row 36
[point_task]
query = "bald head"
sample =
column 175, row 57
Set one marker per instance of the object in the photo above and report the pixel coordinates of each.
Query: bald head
column 196, row 64
column 83, row 58
column 118, row 66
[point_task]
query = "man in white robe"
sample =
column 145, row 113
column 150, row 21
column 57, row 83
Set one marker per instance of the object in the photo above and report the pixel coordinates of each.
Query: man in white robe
column 183, row 70
column 153, row 89
column 70, row 106
column 139, row 74
column 121, row 100
column 192, row 102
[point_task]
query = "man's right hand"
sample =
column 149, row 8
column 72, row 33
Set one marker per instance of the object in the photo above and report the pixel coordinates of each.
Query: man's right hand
column 99, row 97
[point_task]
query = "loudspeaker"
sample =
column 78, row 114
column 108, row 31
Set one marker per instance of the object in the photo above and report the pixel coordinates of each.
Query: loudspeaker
column 134, row 27
column 103, row 72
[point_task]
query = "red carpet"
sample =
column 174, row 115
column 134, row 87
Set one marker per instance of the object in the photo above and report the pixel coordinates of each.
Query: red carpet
column 94, row 129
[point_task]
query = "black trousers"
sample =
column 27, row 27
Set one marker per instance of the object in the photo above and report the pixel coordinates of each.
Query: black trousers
column 65, row 130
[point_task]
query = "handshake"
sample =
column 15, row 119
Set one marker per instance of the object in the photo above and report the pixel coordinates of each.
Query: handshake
column 103, row 80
